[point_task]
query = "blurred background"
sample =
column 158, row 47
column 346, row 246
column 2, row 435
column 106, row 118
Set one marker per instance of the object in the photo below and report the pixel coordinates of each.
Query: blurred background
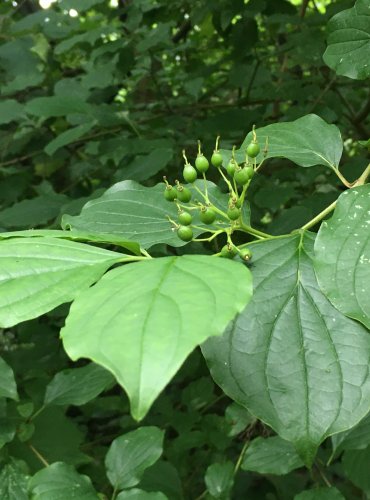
column 97, row 91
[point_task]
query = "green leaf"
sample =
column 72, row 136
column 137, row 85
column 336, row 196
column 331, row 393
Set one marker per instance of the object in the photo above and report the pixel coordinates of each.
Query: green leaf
column 138, row 213
column 163, row 476
column 38, row 274
column 65, row 138
column 10, row 110
column 219, row 479
column 56, row 437
column 77, row 386
column 356, row 438
column 320, row 494
column 34, row 212
column 8, row 386
column 129, row 455
column 237, row 419
column 59, row 481
column 307, row 141
column 348, row 51
column 61, row 105
column 136, row 494
column 13, row 483
column 143, row 167
column 272, row 455
column 82, row 4
column 74, row 236
column 356, row 467
column 290, row 357
column 342, row 255
column 154, row 310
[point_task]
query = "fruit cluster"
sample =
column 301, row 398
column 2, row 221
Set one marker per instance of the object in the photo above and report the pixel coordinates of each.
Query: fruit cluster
column 237, row 177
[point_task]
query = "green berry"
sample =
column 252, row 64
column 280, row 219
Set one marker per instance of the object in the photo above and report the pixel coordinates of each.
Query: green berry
column 242, row 176
column 250, row 171
column 228, row 252
column 185, row 233
column 189, row 173
column 185, row 218
column 201, row 163
column 170, row 193
column 233, row 212
column 207, row 215
column 216, row 159
column 231, row 167
column 245, row 254
column 253, row 149
column 183, row 194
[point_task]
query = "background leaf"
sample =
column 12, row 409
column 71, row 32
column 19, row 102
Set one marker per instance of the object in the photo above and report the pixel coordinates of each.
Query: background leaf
column 320, row 494
column 38, row 274
column 8, row 386
column 10, row 110
column 136, row 494
column 219, row 479
column 131, row 454
column 13, row 482
column 132, row 309
column 60, row 480
column 271, row 455
column 65, row 138
column 290, row 337
column 342, row 254
column 356, row 438
column 348, row 51
column 77, row 386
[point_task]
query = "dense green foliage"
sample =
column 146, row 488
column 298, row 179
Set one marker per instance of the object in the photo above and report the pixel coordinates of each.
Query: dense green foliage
column 217, row 342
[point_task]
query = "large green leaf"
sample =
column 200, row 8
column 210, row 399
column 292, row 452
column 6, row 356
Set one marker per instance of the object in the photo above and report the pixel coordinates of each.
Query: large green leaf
column 272, row 455
column 142, row 320
column 348, row 51
column 59, row 481
column 13, row 483
column 342, row 255
column 8, row 386
column 38, row 274
column 74, row 236
column 131, row 454
column 307, row 141
column 290, row 357
column 138, row 213
column 77, row 386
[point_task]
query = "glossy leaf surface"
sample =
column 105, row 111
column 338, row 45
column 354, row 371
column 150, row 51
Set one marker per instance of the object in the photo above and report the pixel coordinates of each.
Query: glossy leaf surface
column 60, row 480
column 307, row 141
column 77, row 386
column 38, row 274
column 342, row 255
column 290, row 357
column 348, row 51
column 138, row 213
column 142, row 320
column 131, row 454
